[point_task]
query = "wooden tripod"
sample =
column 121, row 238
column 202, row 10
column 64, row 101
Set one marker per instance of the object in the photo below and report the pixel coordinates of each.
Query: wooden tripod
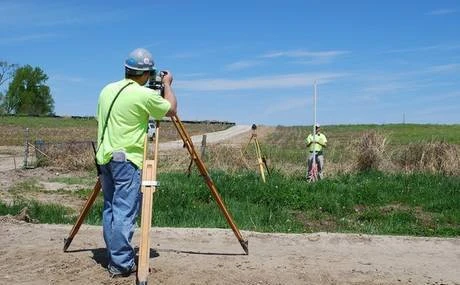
column 261, row 161
column 148, row 188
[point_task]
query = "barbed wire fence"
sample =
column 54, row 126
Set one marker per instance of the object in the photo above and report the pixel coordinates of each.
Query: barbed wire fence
column 44, row 147
column 72, row 155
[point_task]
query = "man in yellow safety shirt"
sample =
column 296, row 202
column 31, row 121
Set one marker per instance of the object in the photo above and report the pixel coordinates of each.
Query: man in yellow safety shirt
column 315, row 144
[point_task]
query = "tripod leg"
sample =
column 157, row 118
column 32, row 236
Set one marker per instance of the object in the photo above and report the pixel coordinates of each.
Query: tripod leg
column 259, row 160
column 266, row 165
column 249, row 142
column 84, row 211
column 146, row 220
column 261, row 169
column 149, row 184
column 204, row 172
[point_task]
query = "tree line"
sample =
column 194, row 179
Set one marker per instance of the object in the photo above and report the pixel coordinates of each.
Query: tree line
column 23, row 91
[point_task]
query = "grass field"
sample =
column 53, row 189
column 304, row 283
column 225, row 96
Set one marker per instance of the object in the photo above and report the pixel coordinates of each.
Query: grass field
column 371, row 203
column 414, row 189
column 406, row 146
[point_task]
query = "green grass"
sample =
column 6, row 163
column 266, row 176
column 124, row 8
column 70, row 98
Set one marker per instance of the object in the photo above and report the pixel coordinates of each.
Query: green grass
column 418, row 204
column 292, row 138
column 27, row 185
column 73, row 180
column 370, row 203
column 39, row 212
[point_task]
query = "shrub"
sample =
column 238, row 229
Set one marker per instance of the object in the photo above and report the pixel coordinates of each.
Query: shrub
column 370, row 148
column 432, row 157
column 68, row 155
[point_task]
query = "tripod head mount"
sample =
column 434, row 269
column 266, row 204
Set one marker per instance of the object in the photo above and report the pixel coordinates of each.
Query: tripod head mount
column 254, row 128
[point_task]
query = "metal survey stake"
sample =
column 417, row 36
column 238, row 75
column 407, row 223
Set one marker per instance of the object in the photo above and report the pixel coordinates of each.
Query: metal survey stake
column 313, row 175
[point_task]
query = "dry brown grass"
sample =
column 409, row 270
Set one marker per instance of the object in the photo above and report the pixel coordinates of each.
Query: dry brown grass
column 15, row 135
column 69, row 156
column 226, row 157
column 435, row 157
column 369, row 151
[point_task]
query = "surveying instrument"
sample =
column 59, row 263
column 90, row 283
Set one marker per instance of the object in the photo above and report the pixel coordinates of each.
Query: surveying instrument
column 148, row 188
column 261, row 161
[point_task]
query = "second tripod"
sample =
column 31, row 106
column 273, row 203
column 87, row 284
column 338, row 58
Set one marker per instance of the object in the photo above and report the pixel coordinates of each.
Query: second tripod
column 261, row 161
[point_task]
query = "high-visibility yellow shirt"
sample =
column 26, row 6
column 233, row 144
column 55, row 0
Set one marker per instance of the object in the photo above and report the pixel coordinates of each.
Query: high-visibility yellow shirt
column 320, row 138
column 128, row 120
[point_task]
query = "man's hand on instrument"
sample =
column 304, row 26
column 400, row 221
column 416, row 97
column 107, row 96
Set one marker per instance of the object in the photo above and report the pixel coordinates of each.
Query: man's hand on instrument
column 167, row 78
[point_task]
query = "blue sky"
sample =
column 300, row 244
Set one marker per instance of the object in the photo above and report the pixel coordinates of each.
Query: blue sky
column 252, row 61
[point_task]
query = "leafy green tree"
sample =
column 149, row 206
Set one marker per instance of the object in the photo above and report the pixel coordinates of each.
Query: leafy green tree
column 28, row 94
column 6, row 72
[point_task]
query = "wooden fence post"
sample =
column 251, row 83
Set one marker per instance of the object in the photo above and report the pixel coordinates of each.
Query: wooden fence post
column 26, row 146
column 203, row 146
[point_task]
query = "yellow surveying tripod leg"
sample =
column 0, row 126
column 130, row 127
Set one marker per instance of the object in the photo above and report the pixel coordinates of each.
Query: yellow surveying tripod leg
column 149, row 184
column 259, row 159
column 188, row 143
column 83, row 212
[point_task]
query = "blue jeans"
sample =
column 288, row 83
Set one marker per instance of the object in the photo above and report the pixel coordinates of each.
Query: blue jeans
column 121, row 182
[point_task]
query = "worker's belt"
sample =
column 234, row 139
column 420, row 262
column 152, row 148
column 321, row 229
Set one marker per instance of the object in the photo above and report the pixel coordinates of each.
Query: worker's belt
column 318, row 152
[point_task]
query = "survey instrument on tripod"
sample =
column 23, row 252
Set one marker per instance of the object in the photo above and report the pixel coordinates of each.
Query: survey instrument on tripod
column 261, row 161
column 202, row 168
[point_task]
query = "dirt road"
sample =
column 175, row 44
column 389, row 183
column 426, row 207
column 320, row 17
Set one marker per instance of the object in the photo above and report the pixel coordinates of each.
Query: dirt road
column 32, row 254
column 211, row 138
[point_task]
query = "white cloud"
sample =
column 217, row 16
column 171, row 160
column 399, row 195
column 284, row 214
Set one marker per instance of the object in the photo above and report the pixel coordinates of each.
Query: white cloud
column 51, row 14
column 440, row 48
column 374, row 85
column 444, row 68
column 193, row 75
column 65, row 78
column 261, row 82
column 316, row 57
column 185, row 55
column 286, row 105
column 436, row 110
column 440, row 12
column 26, row 38
column 440, row 97
column 388, row 87
column 304, row 53
column 239, row 65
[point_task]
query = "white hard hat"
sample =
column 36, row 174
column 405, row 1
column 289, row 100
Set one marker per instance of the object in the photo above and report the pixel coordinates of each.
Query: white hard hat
column 140, row 60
